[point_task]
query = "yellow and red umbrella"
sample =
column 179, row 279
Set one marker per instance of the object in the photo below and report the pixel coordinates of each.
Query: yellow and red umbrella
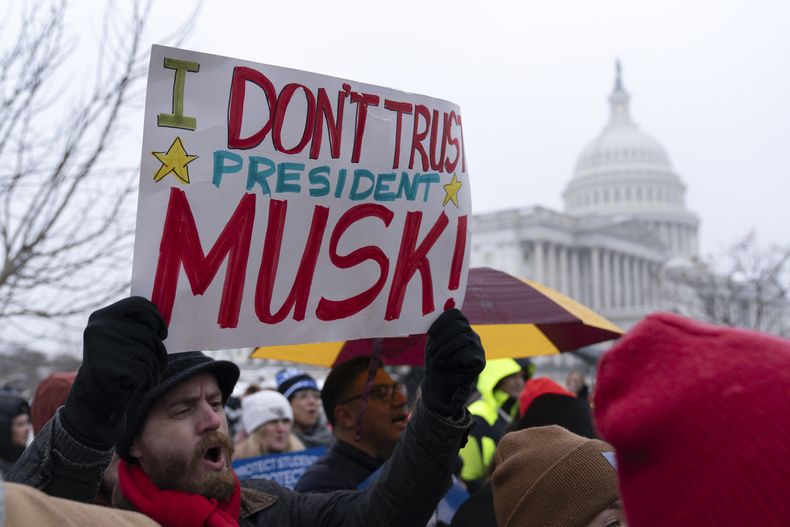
column 514, row 317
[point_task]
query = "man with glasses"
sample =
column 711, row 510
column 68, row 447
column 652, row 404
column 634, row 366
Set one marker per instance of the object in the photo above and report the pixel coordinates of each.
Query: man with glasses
column 368, row 412
column 302, row 392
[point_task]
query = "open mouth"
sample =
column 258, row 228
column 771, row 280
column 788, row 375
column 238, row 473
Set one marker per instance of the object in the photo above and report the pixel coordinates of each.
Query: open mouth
column 399, row 420
column 214, row 457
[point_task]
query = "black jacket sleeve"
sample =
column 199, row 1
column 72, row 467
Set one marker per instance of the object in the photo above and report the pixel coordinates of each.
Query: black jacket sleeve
column 410, row 486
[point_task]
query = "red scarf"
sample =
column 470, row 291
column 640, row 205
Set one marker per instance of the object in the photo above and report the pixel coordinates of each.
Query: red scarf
column 174, row 508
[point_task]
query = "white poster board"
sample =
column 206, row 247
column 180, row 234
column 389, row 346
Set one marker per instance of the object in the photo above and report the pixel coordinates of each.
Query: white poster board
column 280, row 206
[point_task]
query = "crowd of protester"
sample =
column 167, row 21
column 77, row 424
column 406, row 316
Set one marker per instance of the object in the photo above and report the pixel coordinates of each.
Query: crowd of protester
column 685, row 424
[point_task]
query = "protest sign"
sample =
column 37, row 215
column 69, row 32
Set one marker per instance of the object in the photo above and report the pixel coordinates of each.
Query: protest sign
column 278, row 206
column 285, row 469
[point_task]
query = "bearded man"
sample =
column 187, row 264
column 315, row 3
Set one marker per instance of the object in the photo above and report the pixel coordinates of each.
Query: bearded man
column 164, row 415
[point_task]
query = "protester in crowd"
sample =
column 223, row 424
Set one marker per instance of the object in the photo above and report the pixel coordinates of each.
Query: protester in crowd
column 367, row 413
column 302, row 392
column 24, row 506
column 164, row 415
column 499, row 385
column 527, row 368
column 577, row 384
column 267, row 417
column 50, row 395
column 233, row 416
column 542, row 402
column 14, row 428
column 549, row 476
column 698, row 415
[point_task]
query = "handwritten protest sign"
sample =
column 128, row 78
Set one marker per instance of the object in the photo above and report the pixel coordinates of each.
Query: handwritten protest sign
column 285, row 469
column 279, row 206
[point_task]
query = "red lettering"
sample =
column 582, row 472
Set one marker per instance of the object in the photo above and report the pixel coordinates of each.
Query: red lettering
column 333, row 126
column 283, row 100
column 458, row 254
column 180, row 245
column 417, row 136
column 436, row 164
column 400, row 108
column 300, row 290
column 336, row 309
column 463, row 147
column 413, row 258
column 238, row 86
column 449, row 166
column 362, row 100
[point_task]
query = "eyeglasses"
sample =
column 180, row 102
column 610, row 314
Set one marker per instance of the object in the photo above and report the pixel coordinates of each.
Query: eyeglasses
column 380, row 392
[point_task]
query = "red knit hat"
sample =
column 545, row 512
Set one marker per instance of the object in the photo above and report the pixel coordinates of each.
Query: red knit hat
column 536, row 387
column 700, row 418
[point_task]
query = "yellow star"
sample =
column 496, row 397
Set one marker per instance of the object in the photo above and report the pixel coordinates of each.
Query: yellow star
column 451, row 191
column 175, row 160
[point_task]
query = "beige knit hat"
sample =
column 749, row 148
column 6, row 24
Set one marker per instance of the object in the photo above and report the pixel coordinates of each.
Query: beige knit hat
column 548, row 476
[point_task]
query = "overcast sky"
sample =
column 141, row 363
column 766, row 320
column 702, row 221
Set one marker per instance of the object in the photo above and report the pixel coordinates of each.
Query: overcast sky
column 709, row 79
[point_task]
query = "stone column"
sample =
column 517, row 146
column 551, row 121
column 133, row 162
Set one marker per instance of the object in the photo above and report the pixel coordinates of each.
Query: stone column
column 618, row 282
column 595, row 277
column 642, row 281
column 551, row 265
column 606, row 279
column 537, row 261
column 576, row 290
column 627, row 276
column 565, row 279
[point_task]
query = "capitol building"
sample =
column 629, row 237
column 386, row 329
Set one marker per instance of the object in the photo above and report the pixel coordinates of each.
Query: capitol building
column 624, row 220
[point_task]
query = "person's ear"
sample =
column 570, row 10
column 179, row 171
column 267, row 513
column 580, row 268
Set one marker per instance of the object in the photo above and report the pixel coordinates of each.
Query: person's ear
column 344, row 417
column 134, row 450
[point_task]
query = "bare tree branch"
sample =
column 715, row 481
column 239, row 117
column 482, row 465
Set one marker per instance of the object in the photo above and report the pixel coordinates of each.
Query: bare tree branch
column 66, row 213
column 746, row 286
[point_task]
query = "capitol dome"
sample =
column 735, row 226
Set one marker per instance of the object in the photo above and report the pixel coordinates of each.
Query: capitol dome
column 624, row 171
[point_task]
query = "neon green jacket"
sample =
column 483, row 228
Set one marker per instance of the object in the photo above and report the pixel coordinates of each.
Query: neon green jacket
column 490, row 423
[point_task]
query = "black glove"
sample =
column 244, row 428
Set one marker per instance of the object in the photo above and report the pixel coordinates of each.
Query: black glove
column 122, row 354
column 454, row 358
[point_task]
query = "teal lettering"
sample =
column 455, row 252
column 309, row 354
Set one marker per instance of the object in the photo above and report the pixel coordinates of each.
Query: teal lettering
column 383, row 192
column 428, row 179
column 407, row 187
column 287, row 173
column 220, row 168
column 318, row 176
column 359, row 175
column 256, row 176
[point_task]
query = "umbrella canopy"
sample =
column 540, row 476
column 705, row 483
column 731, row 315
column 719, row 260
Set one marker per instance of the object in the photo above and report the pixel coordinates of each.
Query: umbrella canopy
column 514, row 318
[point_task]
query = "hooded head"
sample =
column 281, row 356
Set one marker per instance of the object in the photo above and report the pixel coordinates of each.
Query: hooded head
column 699, row 417
column 50, row 395
column 14, row 425
column 490, row 378
column 544, row 402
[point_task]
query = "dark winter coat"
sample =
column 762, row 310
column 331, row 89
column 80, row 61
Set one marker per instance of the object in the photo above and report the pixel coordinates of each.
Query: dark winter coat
column 410, row 486
column 11, row 405
column 343, row 467
column 318, row 436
